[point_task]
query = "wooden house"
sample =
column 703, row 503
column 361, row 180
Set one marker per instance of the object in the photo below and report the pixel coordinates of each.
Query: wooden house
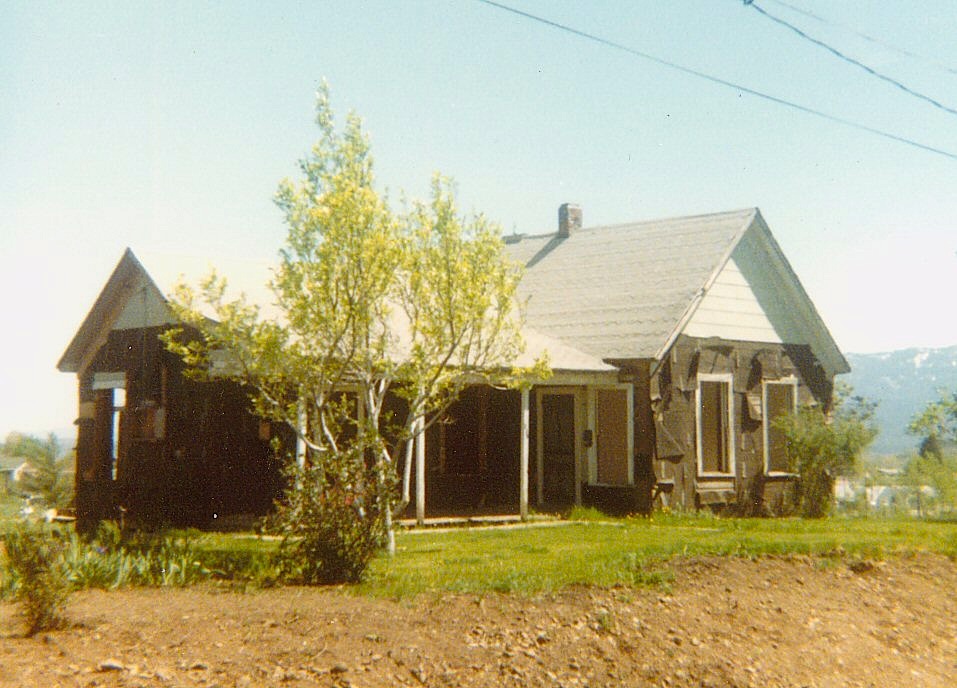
column 673, row 344
column 713, row 337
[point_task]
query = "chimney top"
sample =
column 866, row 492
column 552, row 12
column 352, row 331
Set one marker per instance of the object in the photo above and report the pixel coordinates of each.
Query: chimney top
column 569, row 219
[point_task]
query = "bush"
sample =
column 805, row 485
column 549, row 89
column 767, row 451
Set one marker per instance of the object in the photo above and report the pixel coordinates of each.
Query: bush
column 821, row 447
column 331, row 521
column 34, row 556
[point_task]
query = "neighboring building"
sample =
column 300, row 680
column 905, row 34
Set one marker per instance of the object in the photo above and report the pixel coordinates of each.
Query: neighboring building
column 674, row 344
column 10, row 468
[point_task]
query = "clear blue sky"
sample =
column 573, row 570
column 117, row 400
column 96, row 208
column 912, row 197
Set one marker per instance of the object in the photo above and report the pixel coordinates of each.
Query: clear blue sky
column 167, row 126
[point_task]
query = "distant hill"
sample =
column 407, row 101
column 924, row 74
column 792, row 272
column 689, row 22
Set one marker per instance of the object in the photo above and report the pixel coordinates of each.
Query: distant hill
column 902, row 382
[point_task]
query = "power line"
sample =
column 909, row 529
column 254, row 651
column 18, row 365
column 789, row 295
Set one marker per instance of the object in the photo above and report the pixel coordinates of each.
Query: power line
column 719, row 80
column 933, row 61
column 851, row 60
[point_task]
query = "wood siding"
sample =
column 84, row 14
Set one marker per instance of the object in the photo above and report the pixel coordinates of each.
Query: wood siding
column 748, row 364
column 189, row 453
column 730, row 310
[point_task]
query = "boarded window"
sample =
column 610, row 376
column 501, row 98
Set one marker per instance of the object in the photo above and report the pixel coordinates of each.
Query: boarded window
column 715, row 453
column 779, row 400
column 611, row 440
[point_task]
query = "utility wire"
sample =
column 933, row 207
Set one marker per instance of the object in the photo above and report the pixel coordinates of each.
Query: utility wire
column 719, row 80
column 851, row 60
column 872, row 39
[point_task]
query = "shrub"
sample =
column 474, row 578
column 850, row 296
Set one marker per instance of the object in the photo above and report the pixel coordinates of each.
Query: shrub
column 821, row 447
column 331, row 520
column 34, row 556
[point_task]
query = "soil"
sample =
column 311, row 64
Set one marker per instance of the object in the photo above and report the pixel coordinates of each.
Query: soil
column 722, row 622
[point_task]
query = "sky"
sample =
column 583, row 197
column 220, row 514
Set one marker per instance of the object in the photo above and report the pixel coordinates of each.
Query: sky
column 167, row 127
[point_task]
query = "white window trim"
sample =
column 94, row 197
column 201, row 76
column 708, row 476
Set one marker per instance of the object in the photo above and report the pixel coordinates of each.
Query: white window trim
column 727, row 378
column 766, row 420
column 630, row 437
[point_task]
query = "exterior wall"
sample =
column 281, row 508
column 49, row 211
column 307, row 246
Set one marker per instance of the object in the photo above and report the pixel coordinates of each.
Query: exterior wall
column 187, row 452
column 673, row 390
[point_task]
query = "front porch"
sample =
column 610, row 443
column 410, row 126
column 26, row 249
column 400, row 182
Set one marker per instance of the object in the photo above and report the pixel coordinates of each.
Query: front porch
column 551, row 447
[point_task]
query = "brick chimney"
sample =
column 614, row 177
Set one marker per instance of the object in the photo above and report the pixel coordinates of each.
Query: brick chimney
column 569, row 219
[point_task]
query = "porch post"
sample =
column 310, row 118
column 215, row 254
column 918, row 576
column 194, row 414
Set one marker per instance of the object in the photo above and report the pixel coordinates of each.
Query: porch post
column 302, row 430
column 523, row 460
column 420, row 473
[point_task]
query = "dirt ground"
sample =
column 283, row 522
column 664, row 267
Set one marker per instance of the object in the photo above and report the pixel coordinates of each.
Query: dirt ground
column 724, row 622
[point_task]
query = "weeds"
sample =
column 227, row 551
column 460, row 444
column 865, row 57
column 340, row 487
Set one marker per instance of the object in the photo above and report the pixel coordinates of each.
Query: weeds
column 34, row 555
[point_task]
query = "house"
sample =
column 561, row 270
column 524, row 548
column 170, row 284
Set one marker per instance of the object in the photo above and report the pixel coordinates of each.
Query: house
column 674, row 344
column 10, row 468
column 711, row 330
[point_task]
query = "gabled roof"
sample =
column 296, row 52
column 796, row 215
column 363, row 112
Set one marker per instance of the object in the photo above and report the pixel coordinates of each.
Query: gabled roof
column 627, row 291
column 130, row 278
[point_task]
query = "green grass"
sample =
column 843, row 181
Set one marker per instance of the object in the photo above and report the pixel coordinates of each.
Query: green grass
column 594, row 550
column 631, row 551
column 10, row 506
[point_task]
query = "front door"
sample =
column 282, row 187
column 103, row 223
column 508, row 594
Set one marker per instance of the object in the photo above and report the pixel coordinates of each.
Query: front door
column 557, row 423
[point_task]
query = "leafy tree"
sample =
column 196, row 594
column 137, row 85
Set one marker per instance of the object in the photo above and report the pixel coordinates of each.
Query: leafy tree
column 936, row 463
column 373, row 304
column 47, row 475
column 934, row 470
column 823, row 446
column 936, row 424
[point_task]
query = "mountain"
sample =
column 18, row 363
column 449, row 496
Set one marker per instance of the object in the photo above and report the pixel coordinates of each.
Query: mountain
column 902, row 382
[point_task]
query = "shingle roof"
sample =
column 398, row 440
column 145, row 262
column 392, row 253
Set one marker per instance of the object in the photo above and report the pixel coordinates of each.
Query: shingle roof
column 163, row 271
column 620, row 291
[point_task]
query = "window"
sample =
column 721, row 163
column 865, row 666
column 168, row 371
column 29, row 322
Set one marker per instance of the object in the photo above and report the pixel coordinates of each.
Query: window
column 715, row 426
column 780, row 399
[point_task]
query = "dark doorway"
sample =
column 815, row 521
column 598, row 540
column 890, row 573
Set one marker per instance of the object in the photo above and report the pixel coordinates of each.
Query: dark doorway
column 558, row 448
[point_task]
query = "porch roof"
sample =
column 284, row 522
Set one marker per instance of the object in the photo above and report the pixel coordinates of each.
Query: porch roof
column 159, row 273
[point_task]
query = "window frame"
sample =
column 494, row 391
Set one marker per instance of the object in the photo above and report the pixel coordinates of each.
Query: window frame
column 728, row 380
column 789, row 381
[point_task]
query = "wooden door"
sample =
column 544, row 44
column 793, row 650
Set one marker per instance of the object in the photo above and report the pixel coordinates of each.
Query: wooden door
column 557, row 423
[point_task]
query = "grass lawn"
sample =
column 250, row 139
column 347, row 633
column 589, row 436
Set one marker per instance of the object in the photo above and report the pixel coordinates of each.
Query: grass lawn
column 602, row 552
column 597, row 552
column 631, row 551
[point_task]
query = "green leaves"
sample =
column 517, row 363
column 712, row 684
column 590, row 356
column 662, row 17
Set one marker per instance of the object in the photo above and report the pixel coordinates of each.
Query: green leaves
column 415, row 304
column 938, row 420
column 822, row 447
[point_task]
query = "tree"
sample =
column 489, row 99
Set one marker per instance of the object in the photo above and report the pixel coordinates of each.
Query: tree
column 935, row 465
column 373, row 305
column 936, row 424
column 823, row 446
column 937, row 471
column 47, row 475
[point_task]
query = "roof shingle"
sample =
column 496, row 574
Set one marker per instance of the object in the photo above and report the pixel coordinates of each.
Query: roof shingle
column 620, row 291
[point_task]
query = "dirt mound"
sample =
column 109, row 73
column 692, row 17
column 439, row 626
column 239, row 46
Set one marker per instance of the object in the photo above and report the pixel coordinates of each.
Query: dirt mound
column 724, row 622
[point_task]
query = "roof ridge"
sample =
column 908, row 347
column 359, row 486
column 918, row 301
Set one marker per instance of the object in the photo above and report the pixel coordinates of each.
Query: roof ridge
column 752, row 210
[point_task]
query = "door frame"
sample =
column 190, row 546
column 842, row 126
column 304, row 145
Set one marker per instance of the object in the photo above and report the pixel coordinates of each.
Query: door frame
column 577, row 393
